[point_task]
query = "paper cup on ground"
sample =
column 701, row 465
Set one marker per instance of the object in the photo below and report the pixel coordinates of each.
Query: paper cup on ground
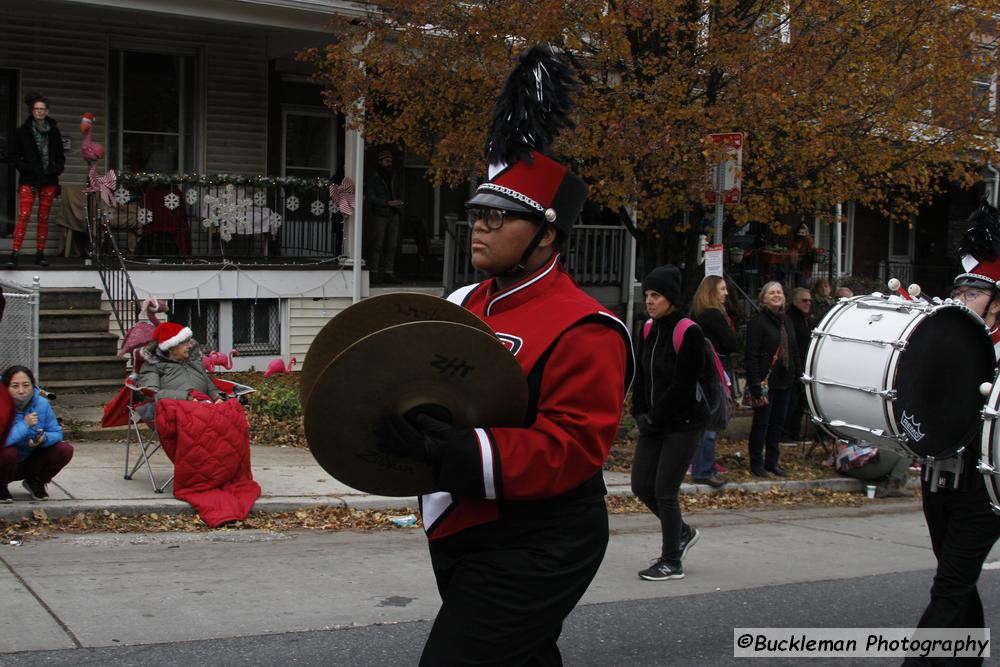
column 871, row 490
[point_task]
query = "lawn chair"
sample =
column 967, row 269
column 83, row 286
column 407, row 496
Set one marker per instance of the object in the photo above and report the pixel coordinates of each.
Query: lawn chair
column 135, row 407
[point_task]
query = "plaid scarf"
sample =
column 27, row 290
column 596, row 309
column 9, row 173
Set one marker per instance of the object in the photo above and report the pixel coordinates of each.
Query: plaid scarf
column 41, row 134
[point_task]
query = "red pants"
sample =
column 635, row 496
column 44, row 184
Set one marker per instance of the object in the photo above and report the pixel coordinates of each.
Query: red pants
column 27, row 195
column 43, row 464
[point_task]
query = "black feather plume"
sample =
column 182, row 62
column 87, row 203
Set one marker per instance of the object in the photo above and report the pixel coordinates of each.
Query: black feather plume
column 532, row 108
column 982, row 238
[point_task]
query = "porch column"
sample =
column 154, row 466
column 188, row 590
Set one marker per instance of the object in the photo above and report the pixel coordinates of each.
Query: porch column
column 354, row 165
column 837, row 243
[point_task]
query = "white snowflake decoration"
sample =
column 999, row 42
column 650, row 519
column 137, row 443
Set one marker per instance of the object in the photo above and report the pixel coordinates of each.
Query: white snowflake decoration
column 122, row 196
column 191, row 196
column 233, row 214
column 145, row 216
column 259, row 198
column 292, row 203
column 317, row 208
column 172, row 201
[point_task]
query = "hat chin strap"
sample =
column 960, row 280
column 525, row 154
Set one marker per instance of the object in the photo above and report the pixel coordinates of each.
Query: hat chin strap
column 518, row 269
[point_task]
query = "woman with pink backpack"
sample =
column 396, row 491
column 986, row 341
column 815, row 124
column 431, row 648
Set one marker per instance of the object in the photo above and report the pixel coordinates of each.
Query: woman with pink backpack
column 671, row 416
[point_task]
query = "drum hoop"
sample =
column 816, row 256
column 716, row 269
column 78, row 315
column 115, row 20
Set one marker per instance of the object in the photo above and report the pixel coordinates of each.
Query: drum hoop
column 888, row 407
column 987, row 467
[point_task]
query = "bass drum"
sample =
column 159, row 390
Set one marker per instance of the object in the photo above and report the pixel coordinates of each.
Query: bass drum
column 899, row 374
column 989, row 446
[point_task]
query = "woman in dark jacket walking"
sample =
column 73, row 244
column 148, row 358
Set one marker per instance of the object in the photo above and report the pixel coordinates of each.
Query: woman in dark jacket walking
column 36, row 150
column 709, row 311
column 670, row 416
column 772, row 366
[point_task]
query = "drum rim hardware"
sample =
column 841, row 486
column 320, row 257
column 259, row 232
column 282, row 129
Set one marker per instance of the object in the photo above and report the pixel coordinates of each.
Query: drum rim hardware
column 888, row 394
column 898, row 344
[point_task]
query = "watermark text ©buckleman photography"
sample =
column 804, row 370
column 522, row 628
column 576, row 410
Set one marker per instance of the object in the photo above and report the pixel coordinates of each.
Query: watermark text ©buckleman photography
column 860, row 642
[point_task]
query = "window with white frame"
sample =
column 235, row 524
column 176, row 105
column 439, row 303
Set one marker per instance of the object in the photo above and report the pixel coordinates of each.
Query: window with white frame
column 256, row 327
column 984, row 84
column 151, row 111
column 201, row 316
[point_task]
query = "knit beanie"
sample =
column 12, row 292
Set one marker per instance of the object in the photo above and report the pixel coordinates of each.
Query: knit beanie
column 667, row 281
column 170, row 334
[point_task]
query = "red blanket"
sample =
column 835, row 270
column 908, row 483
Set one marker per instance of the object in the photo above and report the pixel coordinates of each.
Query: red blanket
column 210, row 447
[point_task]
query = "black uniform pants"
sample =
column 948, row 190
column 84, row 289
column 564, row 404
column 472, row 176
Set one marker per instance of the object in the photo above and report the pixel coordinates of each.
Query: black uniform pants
column 963, row 529
column 507, row 586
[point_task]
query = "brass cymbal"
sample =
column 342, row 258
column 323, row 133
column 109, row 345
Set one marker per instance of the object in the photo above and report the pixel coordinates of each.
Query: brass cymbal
column 459, row 368
column 371, row 315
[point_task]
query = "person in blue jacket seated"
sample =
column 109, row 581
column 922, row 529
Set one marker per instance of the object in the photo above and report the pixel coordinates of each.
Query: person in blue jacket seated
column 34, row 449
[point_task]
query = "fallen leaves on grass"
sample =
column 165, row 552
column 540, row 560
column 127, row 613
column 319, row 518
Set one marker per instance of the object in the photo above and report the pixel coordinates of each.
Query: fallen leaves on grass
column 729, row 499
column 40, row 525
column 271, row 432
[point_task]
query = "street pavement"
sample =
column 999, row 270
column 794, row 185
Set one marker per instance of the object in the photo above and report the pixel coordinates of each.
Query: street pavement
column 367, row 598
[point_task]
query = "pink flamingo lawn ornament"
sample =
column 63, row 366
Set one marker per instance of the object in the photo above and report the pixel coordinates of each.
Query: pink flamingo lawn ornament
column 213, row 359
column 278, row 366
column 142, row 332
column 93, row 153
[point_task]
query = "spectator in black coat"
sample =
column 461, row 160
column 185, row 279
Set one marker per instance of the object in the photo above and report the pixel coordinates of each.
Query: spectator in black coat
column 36, row 150
column 709, row 311
column 670, row 417
column 802, row 324
column 772, row 363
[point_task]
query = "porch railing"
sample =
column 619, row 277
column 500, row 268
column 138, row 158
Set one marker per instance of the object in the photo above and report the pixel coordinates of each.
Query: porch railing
column 121, row 295
column 595, row 255
column 218, row 218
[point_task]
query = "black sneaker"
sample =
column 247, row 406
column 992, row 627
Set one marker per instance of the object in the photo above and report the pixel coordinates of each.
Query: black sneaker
column 779, row 471
column 661, row 570
column 688, row 540
column 713, row 481
column 5, row 496
column 36, row 488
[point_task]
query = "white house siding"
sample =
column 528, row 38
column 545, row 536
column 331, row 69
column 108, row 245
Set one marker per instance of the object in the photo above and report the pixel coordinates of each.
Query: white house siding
column 63, row 53
column 305, row 319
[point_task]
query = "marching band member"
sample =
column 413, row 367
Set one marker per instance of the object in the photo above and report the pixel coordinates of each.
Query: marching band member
column 518, row 527
column 956, row 503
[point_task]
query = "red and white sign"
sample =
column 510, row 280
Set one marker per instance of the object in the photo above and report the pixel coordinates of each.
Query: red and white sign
column 714, row 259
column 725, row 151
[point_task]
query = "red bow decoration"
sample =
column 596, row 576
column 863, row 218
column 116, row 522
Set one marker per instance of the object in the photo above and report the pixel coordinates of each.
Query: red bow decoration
column 342, row 195
column 105, row 185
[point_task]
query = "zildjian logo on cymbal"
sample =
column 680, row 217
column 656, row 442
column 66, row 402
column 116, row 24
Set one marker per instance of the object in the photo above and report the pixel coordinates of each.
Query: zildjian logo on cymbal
column 451, row 366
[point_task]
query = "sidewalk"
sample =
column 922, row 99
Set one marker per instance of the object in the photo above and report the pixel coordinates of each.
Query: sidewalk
column 289, row 478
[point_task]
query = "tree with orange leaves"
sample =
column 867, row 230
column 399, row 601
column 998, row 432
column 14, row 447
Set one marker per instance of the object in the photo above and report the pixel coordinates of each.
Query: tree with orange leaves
column 863, row 100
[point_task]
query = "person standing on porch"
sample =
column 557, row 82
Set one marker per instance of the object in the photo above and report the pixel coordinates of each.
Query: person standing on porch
column 382, row 193
column 37, row 152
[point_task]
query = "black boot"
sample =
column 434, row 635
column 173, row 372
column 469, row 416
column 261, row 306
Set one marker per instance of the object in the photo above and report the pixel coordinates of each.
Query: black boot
column 12, row 262
column 40, row 259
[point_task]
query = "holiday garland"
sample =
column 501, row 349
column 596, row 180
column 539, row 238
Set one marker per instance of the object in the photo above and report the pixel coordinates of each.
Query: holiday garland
column 143, row 179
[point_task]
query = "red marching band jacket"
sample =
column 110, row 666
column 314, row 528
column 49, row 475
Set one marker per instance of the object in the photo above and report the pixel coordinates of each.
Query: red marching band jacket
column 578, row 359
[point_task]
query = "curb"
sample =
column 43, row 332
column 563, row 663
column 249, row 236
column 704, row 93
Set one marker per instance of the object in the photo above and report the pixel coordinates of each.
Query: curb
column 170, row 505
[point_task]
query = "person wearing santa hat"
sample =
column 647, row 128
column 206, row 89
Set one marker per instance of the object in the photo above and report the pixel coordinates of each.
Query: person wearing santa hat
column 956, row 504
column 172, row 365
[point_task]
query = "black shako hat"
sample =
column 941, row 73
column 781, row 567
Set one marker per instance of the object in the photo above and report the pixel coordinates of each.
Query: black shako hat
column 980, row 249
column 530, row 111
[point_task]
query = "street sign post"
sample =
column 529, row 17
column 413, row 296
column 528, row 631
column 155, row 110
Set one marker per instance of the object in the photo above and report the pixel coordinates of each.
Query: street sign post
column 725, row 152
